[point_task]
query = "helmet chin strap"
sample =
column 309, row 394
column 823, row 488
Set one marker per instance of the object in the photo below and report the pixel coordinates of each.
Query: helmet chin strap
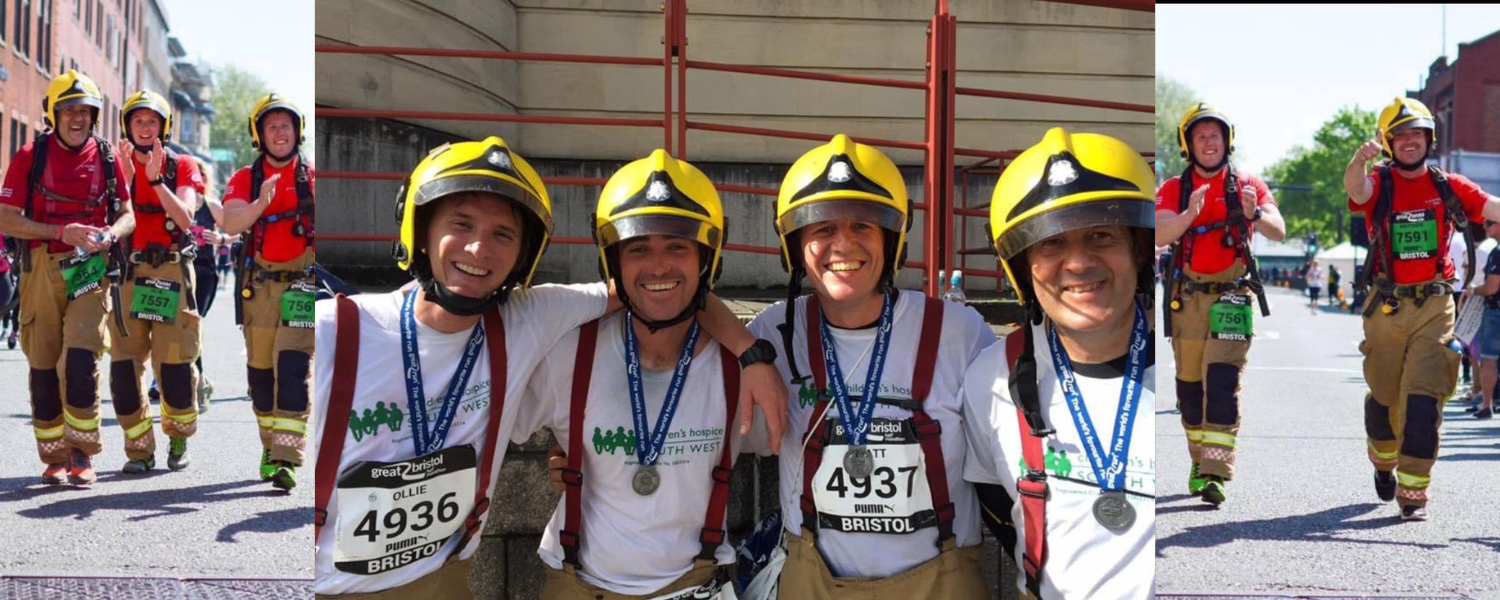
column 463, row 306
column 140, row 148
column 1223, row 160
column 282, row 158
column 699, row 298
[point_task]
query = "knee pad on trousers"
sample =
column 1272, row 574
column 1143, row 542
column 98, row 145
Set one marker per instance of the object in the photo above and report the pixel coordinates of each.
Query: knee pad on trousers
column 45, row 403
column 80, row 369
column 125, row 387
column 262, row 389
column 177, row 386
column 291, row 372
column 1222, row 385
column 1378, row 420
column 1190, row 401
column 1421, row 434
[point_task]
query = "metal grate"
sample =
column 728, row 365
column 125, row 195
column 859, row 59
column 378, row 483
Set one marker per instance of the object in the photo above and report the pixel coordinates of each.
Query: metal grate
column 104, row 588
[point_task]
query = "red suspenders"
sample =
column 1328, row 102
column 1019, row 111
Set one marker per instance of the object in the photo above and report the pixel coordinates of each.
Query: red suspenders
column 341, row 399
column 928, row 430
column 712, row 534
column 1033, row 485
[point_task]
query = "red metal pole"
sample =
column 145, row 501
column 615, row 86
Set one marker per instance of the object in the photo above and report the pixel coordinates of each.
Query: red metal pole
column 929, row 180
column 666, row 74
column 950, row 115
column 682, row 65
column 1055, row 99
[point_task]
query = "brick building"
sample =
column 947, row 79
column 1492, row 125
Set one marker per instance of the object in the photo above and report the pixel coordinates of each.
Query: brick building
column 1465, row 97
column 120, row 44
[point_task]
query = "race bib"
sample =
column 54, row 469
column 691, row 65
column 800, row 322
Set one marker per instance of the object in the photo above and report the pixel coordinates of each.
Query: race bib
column 394, row 514
column 297, row 305
column 1230, row 318
column 155, row 300
column 82, row 274
column 1414, row 235
column 895, row 498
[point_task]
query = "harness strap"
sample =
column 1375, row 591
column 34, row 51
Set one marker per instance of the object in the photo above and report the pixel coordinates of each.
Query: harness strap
column 340, row 402
column 572, row 476
column 713, row 522
column 1033, row 485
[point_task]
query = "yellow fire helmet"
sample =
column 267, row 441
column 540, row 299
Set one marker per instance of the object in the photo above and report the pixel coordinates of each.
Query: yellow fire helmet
column 1405, row 113
column 151, row 101
column 71, row 87
column 275, row 102
column 1199, row 112
column 486, row 166
column 1067, row 181
column 844, row 180
column 660, row 195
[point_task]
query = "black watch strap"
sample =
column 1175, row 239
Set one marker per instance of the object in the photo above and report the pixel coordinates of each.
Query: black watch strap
column 761, row 351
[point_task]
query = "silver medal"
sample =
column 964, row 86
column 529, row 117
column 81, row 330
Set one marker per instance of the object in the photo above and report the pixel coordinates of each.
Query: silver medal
column 859, row 462
column 1113, row 511
column 646, row 480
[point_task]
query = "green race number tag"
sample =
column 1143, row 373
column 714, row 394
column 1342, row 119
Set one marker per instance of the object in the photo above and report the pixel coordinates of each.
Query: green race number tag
column 1230, row 318
column 155, row 300
column 297, row 306
column 1414, row 235
column 82, row 274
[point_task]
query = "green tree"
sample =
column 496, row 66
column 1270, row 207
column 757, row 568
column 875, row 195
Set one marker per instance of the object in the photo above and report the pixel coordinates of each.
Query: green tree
column 235, row 93
column 1309, row 181
column 1172, row 99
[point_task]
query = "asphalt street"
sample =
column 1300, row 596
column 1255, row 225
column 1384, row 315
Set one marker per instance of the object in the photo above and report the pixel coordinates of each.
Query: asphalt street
column 214, row 520
column 1302, row 516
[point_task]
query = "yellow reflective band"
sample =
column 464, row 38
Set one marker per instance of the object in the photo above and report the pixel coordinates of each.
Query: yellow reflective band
column 292, row 425
column 48, row 433
column 266, row 422
column 1195, row 435
column 1412, row 481
column 1220, row 439
column 81, row 424
column 1381, row 455
column 187, row 417
column 139, row 429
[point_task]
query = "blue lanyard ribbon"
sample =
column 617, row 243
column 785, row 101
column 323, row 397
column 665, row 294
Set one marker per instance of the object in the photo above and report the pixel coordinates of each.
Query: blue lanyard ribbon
column 1110, row 475
column 648, row 447
column 426, row 441
column 857, row 423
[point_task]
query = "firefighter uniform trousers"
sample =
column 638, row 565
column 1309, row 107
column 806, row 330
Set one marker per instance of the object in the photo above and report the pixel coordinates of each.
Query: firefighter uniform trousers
column 62, row 340
column 450, row 582
column 954, row 573
column 1208, row 377
column 280, row 361
column 172, row 348
column 1410, row 370
column 564, row 584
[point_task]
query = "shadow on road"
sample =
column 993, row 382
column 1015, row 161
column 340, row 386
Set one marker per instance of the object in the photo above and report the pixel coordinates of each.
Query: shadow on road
column 1335, row 524
column 152, row 503
column 276, row 521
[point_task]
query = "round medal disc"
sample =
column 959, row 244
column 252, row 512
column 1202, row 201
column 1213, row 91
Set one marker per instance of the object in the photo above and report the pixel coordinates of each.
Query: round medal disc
column 1113, row 511
column 646, row 480
column 859, row 462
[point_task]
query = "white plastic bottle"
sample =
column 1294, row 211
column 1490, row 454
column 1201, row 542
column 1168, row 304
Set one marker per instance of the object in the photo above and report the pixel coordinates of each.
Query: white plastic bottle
column 955, row 291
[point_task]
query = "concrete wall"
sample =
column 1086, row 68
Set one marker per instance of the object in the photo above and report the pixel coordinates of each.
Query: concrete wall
column 1028, row 46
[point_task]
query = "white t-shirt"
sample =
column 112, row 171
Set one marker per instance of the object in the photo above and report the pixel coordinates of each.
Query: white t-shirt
column 632, row 544
column 535, row 319
column 1481, row 260
column 1458, row 253
column 1084, row 559
column 863, row 554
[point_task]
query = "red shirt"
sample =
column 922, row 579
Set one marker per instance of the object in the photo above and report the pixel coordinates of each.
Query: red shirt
column 150, row 227
column 1208, row 252
column 279, row 244
column 1416, row 203
column 72, row 174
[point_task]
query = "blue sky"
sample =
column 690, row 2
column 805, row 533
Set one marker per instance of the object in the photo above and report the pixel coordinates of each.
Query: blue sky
column 271, row 38
column 1280, row 72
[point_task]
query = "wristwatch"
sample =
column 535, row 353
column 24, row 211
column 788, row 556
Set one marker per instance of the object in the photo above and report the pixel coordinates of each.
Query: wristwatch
column 762, row 351
column 154, row 182
column 1255, row 217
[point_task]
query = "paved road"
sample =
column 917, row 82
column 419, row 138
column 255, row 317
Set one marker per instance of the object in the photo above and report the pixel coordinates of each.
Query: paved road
column 214, row 520
column 1302, row 516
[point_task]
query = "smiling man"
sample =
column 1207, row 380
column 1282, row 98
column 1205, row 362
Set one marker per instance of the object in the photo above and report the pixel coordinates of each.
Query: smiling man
column 160, row 317
column 646, row 518
column 1070, row 219
column 1208, row 215
column 271, row 201
column 1411, row 363
column 66, row 201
